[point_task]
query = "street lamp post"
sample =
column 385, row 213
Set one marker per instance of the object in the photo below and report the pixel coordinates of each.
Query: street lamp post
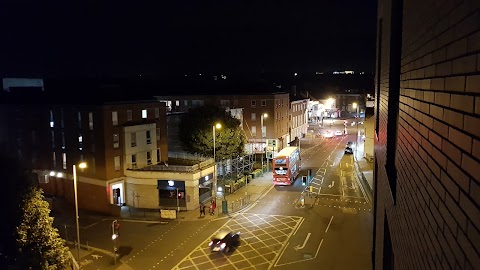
column 82, row 165
column 216, row 126
column 355, row 106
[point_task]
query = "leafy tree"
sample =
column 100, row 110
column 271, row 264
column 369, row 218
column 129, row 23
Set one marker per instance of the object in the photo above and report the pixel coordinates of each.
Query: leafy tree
column 40, row 245
column 196, row 132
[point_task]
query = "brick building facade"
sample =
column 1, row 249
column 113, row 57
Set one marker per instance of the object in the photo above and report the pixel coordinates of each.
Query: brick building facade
column 427, row 182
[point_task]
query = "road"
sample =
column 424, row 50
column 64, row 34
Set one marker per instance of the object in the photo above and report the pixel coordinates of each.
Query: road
column 289, row 227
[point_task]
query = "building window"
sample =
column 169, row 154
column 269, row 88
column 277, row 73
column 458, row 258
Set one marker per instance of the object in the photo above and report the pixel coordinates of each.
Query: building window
column 115, row 118
column 253, row 103
column 79, row 119
column 52, row 123
column 54, row 159
column 64, row 161
column 53, row 138
column 254, row 117
column 158, row 134
column 133, row 139
column 158, row 155
column 254, row 130
column 90, row 120
column 149, row 139
column 144, row 114
column 177, row 103
column 116, row 140
column 134, row 161
column 116, row 162
column 157, row 113
column 264, row 103
column 80, row 142
column 63, row 140
column 149, row 158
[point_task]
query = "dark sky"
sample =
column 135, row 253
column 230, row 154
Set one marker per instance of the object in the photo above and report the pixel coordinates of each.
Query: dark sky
column 134, row 37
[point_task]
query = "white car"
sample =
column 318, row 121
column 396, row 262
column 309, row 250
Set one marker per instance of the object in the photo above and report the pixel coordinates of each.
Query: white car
column 328, row 134
column 338, row 133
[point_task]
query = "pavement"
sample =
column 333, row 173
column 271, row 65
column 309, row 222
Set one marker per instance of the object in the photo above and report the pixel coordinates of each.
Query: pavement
column 93, row 258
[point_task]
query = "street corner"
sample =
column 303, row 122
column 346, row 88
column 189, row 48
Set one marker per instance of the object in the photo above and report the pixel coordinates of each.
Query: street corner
column 98, row 260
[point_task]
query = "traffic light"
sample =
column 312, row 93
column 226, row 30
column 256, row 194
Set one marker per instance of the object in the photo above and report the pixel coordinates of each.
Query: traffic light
column 304, row 180
column 115, row 229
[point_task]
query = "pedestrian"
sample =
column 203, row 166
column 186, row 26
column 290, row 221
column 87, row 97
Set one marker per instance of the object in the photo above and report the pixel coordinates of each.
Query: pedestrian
column 213, row 205
column 202, row 209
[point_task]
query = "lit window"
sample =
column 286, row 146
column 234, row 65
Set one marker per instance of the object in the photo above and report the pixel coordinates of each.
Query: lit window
column 144, row 114
column 64, row 161
column 177, row 103
column 80, row 139
column 115, row 118
column 116, row 140
column 254, row 130
column 254, row 117
column 90, row 121
column 52, row 123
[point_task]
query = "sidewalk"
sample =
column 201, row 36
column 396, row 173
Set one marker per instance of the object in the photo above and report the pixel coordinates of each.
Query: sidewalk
column 254, row 189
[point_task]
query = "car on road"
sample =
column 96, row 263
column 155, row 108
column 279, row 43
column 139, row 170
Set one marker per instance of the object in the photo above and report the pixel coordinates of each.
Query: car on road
column 348, row 150
column 225, row 241
column 338, row 133
column 328, row 134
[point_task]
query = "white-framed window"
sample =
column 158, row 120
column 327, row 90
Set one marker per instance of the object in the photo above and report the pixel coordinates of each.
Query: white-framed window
column 52, row 122
column 254, row 103
column 129, row 115
column 149, row 158
column 158, row 134
column 148, row 135
column 115, row 118
column 134, row 161
column 116, row 140
column 116, row 163
column 64, row 161
column 254, row 117
column 254, row 130
column 157, row 113
column 133, row 139
column 144, row 114
column 90, row 120
column 264, row 103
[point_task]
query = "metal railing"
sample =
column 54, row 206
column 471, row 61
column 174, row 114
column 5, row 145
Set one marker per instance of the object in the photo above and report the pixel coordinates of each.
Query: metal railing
column 238, row 204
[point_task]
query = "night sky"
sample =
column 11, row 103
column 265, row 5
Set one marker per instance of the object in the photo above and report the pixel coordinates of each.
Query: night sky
column 57, row 38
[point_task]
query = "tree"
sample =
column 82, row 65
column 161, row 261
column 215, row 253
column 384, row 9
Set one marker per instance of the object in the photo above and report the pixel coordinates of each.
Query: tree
column 40, row 245
column 196, row 133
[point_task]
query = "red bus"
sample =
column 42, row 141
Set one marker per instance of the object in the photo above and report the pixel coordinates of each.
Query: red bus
column 286, row 166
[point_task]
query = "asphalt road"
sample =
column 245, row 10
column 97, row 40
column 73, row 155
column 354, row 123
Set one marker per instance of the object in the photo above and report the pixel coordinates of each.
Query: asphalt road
column 289, row 227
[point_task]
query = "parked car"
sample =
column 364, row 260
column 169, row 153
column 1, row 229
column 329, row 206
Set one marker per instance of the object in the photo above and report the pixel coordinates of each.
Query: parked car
column 348, row 150
column 225, row 241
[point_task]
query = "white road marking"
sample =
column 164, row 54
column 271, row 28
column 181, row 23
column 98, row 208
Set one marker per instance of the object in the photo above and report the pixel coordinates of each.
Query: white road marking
column 326, row 230
column 304, row 243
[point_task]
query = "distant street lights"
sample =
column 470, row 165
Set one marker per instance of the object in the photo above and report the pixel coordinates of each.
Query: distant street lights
column 82, row 165
column 355, row 106
column 216, row 126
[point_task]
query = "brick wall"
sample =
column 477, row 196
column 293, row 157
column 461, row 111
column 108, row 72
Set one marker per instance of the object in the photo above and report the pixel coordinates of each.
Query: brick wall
column 427, row 160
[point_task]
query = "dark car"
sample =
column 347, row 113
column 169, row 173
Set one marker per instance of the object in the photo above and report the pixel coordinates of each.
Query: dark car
column 348, row 150
column 225, row 241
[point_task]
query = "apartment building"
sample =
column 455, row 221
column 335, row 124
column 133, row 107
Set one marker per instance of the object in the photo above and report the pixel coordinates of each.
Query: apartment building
column 298, row 119
column 110, row 137
column 265, row 116
column 427, row 135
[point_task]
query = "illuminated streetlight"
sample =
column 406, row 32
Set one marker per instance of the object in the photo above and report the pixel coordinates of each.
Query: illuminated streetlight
column 82, row 165
column 216, row 126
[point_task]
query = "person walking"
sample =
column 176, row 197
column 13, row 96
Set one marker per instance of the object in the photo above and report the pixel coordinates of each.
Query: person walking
column 202, row 209
column 213, row 205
